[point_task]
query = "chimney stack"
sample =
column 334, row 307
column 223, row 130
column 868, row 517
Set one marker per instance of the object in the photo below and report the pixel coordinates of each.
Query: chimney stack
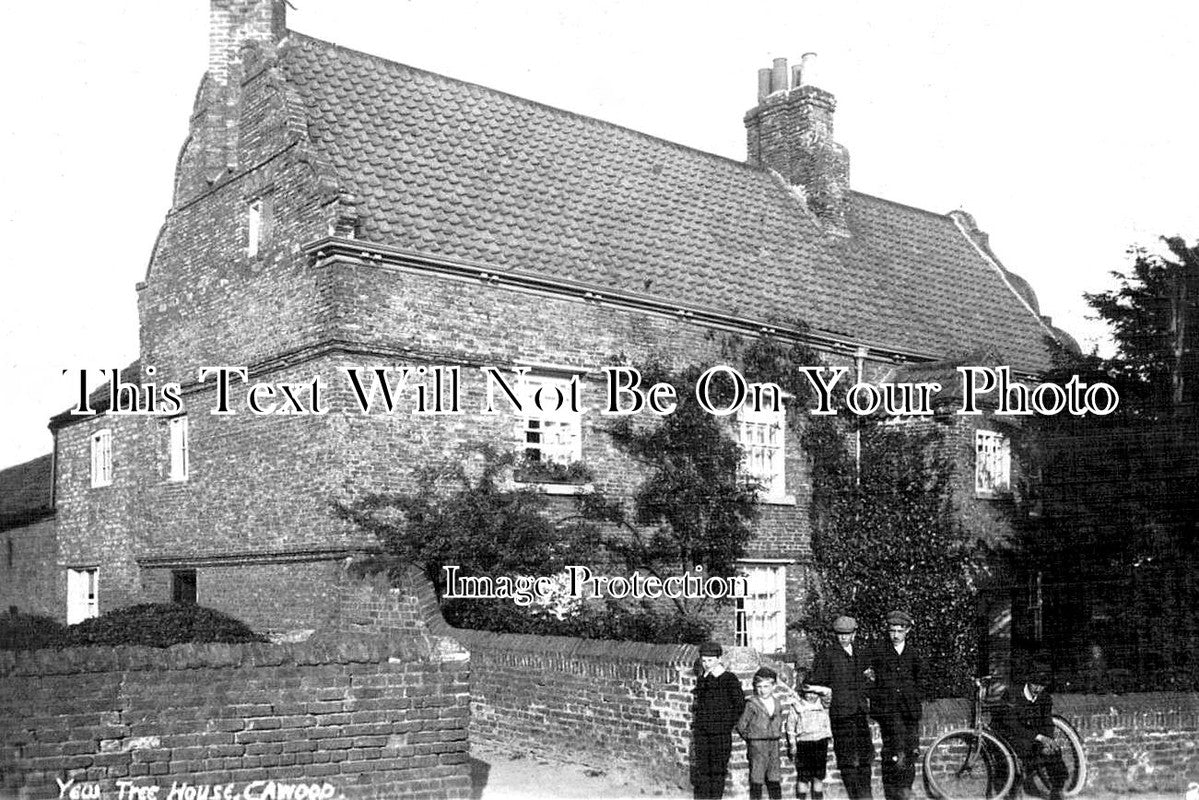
column 232, row 24
column 791, row 132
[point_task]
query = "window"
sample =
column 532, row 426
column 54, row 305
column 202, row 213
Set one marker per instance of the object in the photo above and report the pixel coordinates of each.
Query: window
column 183, row 586
column 760, row 434
column 102, row 458
column 178, row 429
column 992, row 464
column 762, row 615
column 10, row 553
column 549, row 432
column 82, row 602
column 254, row 227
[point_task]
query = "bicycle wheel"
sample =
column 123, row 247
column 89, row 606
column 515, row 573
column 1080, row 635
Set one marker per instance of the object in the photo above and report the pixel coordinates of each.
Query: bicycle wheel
column 1073, row 756
column 969, row 764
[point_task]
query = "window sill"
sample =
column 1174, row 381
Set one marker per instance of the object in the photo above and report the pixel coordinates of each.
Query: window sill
column 781, row 500
column 555, row 488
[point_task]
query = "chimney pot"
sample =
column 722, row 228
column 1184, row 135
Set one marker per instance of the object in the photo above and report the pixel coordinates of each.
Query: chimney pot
column 763, row 83
column 807, row 69
column 778, row 80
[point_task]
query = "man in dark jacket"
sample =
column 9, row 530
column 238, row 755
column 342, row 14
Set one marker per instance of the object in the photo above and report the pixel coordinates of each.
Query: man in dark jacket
column 719, row 701
column 896, row 705
column 846, row 671
column 1025, row 719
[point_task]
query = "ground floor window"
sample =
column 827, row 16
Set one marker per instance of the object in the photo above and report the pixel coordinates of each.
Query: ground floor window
column 183, row 586
column 82, row 597
column 761, row 621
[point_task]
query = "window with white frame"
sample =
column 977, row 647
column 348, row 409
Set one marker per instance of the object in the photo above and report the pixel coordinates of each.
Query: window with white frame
column 992, row 464
column 760, row 434
column 761, row 621
column 179, row 447
column 548, row 431
column 102, row 458
column 254, row 227
column 82, row 599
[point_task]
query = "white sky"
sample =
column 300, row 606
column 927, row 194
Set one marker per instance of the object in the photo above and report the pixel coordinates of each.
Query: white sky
column 1068, row 130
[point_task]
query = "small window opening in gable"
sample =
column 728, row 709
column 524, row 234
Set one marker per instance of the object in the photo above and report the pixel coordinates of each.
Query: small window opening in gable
column 179, row 448
column 102, row 458
column 254, row 227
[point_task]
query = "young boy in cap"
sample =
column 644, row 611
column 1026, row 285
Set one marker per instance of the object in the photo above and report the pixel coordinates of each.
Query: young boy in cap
column 1026, row 721
column 846, row 670
column 761, row 726
column 719, row 702
column 808, row 733
column 896, row 704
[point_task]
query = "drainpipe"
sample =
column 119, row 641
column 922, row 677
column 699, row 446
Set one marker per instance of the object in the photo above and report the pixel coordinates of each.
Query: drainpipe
column 860, row 359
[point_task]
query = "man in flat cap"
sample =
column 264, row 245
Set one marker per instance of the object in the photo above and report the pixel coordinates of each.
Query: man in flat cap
column 1026, row 721
column 846, row 671
column 896, row 705
column 719, row 701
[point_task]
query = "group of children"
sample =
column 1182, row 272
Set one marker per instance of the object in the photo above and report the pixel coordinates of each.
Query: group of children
column 797, row 716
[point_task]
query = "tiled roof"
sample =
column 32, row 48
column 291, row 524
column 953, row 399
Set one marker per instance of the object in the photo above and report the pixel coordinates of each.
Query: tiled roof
column 25, row 492
column 457, row 170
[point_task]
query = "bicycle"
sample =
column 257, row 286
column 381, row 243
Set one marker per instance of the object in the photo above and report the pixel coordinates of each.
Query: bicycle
column 970, row 762
column 976, row 762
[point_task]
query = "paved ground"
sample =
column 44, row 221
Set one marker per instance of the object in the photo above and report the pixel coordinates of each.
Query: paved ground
column 500, row 775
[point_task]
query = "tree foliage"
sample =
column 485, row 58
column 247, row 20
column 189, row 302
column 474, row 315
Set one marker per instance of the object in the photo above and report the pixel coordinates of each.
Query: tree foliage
column 1154, row 320
column 1115, row 547
column 693, row 510
column 885, row 531
column 468, row 515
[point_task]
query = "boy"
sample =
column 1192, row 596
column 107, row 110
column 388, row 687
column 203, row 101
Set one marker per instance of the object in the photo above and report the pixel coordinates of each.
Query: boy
column 718, row 704
column 808, row 733
column 761, row 725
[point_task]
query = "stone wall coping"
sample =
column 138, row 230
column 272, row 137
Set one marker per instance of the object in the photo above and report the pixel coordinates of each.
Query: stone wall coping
column 344, row 649
column 1143, row 710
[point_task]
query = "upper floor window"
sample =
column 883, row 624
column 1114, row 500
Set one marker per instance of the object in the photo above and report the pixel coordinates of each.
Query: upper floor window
column 549, row 431
column 760, row 434
column 102, row 458
column 179, row 447
column 992, row 464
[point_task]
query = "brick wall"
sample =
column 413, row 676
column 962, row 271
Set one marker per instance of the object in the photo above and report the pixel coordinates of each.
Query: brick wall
column 356, row 717
column 28, row 581
column 627, row 705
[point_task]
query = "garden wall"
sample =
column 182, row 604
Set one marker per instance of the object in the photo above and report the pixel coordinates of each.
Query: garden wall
column 341, row 718
column 627, row 706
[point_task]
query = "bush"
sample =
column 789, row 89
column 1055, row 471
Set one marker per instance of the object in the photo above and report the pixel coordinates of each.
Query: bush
column 30, row 632
column 159, row 625
column 608, row 621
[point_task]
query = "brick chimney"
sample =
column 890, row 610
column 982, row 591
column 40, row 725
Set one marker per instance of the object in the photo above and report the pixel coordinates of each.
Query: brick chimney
column 791, row 132
column 232, row 24
column 240, row 32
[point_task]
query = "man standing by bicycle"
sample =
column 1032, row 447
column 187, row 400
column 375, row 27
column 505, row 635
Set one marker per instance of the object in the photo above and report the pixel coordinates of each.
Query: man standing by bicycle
column 1026, row 722
column 846, row 670
column 896, row 704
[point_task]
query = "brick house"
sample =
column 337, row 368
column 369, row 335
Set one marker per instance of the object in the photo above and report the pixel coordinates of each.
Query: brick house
column 333, row 209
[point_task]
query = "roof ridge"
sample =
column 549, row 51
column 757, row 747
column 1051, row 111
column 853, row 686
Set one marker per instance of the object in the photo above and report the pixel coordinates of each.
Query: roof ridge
column 536, row 103
column 909, row 207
